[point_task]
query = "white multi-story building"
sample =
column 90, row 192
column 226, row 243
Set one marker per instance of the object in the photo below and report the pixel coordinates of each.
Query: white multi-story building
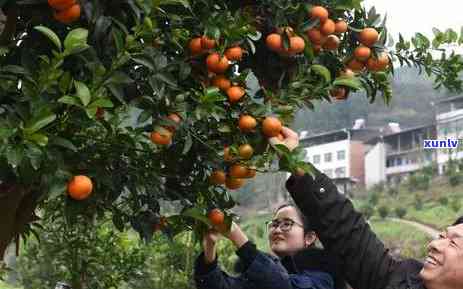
column 449, row 125
column 396, row 154
column 339, row 154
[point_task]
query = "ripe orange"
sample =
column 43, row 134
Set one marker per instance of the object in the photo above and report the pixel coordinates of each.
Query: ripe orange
column 80, row 187
column 332, row 42
column 368, row 36
column 61, row 4
column 68, row 15
column 221, row 82
column 234, row 183
column 328, row 27
column 99, row 113
column 340, row 27
column 315, row 36
column 235, row 93
column 162, row 224
column 383, row 61
column 320, row 13
column 175, row 118
column 238, row 171
column 274, row 42
column 195, row 46
column 356, row 65
column 347, row 73
column 317, row 48
column 251, row 173
column 227, row 155
column 339, row 93
column 299, row 172
column 216, row 217
column 296, row 44
column 246, row 151
column 362, row 53
column 271, row 126
column 247, row 123
column 217, row 177
column 207, row 43
column 234, row 53
column 217, row 64
column 161, row 137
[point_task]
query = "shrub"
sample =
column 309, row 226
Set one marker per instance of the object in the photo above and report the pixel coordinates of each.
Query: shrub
column 444, row 201
column 367, row 210
column 455, row 179
column 456, row 205
column 383, row 211
column 400, row 212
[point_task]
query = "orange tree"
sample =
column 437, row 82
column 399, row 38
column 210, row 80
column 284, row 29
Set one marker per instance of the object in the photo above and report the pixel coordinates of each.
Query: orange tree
column 114, row 105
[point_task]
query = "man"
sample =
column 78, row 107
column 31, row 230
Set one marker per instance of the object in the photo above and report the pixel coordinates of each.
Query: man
column 366, row 262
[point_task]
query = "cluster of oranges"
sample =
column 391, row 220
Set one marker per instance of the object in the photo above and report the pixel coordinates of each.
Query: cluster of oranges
column 219, row 64
column 80, row 187
column 163, row 135
column 363, row 56
column 326, row 34
column 296, row 43
column 238, row 172
column 66, row 11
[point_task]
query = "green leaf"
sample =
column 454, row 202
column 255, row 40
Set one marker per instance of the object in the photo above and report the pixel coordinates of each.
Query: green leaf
column 69, row 100
column 118, row 78
column 75, row 39
column 188, row 144
column 39, row 122
column 14, row 156
column 51, row 35
column 252, row 84
column 196, row 214
column 322, row 71
column 102, row 102
column 62, row 142
column 39, row 138
column 83, row 93
column 353, row 83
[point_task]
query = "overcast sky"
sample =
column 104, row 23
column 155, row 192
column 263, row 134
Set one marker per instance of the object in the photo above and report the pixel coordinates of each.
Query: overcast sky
column 410, row 16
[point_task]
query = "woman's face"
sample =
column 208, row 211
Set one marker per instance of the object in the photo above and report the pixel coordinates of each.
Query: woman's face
column 286, row 233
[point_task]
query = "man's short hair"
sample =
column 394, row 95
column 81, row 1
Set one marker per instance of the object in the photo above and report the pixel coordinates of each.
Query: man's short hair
column 459, row 221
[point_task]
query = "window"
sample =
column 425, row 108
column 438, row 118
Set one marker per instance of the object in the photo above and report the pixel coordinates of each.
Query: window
column 327, row 157
column 340, row 172
column 316, row 159
column 329, row 173
column 341, row 155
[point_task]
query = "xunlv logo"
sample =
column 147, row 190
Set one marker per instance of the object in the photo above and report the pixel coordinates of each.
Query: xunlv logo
column 440, row 144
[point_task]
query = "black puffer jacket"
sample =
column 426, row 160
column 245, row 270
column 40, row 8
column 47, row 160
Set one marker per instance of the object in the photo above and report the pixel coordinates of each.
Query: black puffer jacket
column 367, row 264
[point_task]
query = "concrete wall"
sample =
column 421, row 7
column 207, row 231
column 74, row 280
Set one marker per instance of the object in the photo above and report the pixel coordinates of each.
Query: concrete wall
column 375, row 165
column 332, row 148
column 357, row 161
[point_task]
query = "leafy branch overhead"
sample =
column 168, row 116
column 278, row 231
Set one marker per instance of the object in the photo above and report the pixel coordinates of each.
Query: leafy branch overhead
column 121, row 106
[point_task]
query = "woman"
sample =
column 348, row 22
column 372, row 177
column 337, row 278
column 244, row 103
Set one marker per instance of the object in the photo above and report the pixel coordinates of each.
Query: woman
column 295, row 262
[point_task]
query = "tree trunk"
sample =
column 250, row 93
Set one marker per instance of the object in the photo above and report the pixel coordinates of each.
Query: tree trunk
column 17, row 206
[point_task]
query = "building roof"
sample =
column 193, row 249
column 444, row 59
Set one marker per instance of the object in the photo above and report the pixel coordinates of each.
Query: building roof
column 448, row 99
column 393, row 134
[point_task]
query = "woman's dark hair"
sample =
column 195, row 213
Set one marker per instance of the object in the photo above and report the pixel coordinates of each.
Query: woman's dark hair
column 459, row 221
column 305, row 221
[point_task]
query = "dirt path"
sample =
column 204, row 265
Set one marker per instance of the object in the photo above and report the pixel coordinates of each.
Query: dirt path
column 428, row 230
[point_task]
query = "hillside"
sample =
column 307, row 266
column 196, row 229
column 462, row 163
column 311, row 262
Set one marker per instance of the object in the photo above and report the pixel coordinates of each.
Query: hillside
column 410, row 106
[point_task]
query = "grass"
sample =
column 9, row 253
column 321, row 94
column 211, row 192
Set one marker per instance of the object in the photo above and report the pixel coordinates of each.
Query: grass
column 432, row 213
column 3, row 285
column 402, row 239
